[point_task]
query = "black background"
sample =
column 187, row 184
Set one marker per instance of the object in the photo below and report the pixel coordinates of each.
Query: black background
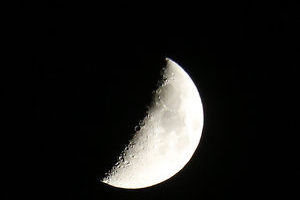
column 83, row 73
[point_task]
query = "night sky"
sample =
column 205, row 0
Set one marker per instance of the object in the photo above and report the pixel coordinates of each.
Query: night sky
column 87, row 75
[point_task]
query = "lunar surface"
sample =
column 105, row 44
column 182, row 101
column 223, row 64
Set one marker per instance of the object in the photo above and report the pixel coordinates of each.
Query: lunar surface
column 166, row 138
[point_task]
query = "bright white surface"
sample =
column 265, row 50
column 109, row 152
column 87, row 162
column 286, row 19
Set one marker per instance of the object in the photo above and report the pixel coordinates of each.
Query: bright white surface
column 168, row 135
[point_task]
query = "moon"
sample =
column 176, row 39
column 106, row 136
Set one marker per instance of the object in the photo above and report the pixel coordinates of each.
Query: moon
column 165, row 140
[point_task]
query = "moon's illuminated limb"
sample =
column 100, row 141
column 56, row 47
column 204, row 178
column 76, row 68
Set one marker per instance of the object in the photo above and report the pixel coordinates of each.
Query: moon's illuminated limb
column 168, row 137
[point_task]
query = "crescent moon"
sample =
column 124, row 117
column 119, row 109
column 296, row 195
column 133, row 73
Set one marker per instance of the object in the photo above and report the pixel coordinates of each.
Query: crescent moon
column 166, row 138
